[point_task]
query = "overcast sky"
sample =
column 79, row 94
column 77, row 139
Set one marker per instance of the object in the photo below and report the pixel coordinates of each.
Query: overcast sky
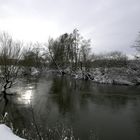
column 110, row 24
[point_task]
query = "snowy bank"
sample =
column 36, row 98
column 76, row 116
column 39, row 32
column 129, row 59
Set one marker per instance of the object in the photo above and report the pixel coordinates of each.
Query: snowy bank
column 119, row 76
column 7, row 134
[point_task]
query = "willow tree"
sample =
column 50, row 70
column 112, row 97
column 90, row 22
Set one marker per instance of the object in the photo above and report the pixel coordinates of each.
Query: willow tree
column 10, row 56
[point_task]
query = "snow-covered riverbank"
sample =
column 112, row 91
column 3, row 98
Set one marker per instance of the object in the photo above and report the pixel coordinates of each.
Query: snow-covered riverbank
column 120, row 76
column 7, row 134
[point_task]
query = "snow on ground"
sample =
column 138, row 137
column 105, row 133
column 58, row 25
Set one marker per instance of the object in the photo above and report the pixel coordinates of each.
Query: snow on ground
column 7, row 134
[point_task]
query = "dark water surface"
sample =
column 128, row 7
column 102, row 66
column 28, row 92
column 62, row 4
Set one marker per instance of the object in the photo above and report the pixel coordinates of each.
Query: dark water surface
column 110, row 112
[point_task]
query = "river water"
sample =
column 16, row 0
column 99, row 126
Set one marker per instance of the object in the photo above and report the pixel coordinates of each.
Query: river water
column 109, row 112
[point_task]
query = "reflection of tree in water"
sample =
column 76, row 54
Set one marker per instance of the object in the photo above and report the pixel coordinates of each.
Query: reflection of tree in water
column 69, row 94
column 17, row 117
column 63, row 94
column 26, row 119
column 136, row 109
column 30, row 80
column 23, row 125
column 66, row 96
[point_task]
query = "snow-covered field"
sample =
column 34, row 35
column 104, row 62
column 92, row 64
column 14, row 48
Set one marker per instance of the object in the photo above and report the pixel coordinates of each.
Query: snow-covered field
column 7, row 134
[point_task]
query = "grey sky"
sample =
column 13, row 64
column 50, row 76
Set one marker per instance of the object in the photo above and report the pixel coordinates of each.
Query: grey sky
column 110, row 24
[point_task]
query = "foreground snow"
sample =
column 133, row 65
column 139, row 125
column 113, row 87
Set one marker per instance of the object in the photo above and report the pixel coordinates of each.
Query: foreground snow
column 7, row 134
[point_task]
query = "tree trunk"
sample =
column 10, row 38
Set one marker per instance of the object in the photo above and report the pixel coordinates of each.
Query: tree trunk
column 5, row 96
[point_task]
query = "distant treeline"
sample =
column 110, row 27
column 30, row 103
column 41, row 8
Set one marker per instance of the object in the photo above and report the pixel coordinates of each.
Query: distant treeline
column 69, row 50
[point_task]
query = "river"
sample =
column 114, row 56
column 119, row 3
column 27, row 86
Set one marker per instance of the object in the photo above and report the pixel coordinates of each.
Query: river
column 89, row 110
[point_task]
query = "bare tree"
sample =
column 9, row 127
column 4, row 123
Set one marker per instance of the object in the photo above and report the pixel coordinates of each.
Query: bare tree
column 84, row 54
column 137, row 46
column 10, row 56
column 117, row 55
column 51, row 52
column 110, row 59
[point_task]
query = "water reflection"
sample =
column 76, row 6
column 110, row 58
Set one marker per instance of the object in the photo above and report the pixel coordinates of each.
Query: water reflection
column 25, row 97
column 112, row 110
column 24, row 93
